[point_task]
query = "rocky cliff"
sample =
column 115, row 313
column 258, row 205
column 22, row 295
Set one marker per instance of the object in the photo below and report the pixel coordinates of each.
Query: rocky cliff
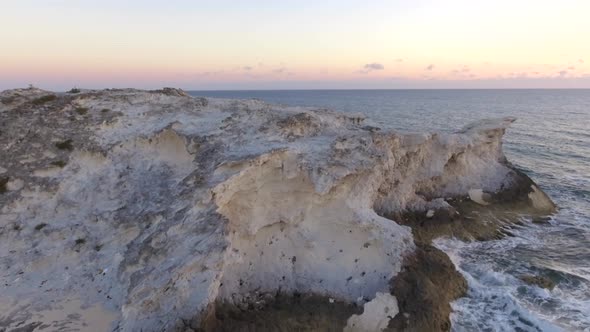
column 139, row 210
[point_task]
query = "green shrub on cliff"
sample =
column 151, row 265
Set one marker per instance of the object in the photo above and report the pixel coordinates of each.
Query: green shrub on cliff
column 44, row 99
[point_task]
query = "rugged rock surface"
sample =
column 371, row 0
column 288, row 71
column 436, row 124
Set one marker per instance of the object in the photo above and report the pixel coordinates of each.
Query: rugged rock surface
column 145, row 210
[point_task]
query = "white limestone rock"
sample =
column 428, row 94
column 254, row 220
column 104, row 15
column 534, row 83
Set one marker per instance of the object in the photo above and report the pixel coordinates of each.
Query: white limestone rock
column 478, row 196
column 151, row 205
column 376, row 314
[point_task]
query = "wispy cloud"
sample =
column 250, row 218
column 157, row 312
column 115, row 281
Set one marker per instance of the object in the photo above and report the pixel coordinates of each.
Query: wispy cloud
column 374, row 66
column 211, row 73
column 247, row 68
column 581, row 60
column 282, row 71
column 517, row 75
column 430, row 67
column 369, row 67
column 461, row 71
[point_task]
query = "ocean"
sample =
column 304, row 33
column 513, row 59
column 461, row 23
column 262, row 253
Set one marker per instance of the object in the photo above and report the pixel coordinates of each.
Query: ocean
column 551, row 143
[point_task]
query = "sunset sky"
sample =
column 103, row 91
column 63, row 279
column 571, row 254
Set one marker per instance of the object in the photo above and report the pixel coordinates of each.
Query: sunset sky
column 255, row 44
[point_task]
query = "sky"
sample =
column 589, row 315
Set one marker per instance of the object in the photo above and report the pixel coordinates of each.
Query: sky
column 284, row 44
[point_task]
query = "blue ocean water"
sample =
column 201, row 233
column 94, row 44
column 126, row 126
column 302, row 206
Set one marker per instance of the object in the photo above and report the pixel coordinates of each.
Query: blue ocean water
column 551, row 143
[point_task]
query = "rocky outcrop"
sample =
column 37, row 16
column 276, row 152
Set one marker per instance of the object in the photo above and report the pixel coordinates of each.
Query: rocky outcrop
column 146, row 210
column 424, row 289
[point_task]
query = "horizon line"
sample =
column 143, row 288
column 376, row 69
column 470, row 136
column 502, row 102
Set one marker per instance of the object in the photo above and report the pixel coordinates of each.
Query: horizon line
column 311, row 89
column 375, row 89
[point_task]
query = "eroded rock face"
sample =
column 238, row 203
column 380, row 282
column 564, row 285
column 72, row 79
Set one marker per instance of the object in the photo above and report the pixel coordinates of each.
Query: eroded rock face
column 151, row 206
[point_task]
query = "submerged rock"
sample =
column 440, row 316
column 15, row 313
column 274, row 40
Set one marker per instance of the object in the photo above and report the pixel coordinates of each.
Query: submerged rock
column 158, row 207
column 540, row 281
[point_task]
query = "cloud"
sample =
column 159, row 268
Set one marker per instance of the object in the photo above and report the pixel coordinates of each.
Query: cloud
column 373, row 66
column 399, row 60
column 430, row 67
column 211, row 73
column 247, row 68
column 279, row 70
column 461, row 71
column 369, row 67
column 562, row 73
column 581, row 60
column 523, row 74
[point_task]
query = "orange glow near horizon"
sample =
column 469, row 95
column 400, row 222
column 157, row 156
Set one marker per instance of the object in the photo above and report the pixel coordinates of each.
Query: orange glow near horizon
column 192, row 46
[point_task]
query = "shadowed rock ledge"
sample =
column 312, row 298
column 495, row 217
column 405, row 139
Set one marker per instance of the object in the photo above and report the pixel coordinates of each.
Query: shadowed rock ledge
column 148, row 210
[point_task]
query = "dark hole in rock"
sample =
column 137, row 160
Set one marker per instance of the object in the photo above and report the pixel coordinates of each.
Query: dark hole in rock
column 65, row 145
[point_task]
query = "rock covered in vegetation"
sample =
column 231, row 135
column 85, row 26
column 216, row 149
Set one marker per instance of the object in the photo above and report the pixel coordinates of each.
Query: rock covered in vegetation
column 149, row 209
